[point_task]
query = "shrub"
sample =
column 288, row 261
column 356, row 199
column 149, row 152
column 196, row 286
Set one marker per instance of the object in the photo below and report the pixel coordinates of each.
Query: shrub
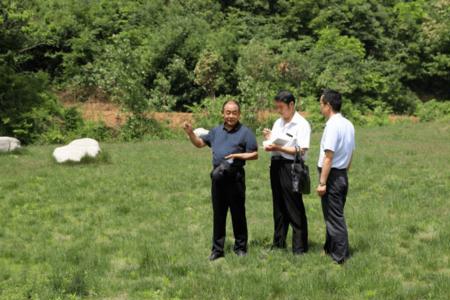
column 208, row 72
column 63, row 125
column 378, row 117
column 311, row 106
column 433, row 111
column 25, row 107
column 207, row 114
column 94, row 130
column 140, row 126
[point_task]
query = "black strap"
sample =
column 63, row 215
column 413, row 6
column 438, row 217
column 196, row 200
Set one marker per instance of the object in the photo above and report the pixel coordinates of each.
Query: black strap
column 298, row 156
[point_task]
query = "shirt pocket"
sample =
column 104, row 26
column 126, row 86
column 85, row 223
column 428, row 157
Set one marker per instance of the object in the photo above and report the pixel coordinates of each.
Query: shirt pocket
column 292, row 135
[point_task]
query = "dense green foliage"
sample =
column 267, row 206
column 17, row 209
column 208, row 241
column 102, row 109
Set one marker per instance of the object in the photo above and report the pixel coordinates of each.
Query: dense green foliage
column 28, row 108
column 136, row 227
column 167, row 55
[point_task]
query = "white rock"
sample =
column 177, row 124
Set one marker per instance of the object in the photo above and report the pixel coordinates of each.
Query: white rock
column 8, row 144
column 76, row 150
column 201, row 132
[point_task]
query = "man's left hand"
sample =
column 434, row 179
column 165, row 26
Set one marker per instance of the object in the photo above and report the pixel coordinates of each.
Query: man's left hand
column 234, row 155
column 321, row 190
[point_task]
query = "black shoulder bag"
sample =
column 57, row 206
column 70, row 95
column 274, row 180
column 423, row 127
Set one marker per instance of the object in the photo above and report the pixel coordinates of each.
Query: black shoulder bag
column 301, row 182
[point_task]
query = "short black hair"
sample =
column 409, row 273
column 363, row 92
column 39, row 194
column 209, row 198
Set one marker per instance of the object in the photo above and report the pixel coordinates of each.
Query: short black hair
column 285, row 96
column 333, row 98
column 231, row 101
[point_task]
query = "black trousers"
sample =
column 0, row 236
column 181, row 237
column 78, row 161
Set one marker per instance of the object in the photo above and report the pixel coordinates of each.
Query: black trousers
column 288, row 208
column 333, row 202
column 229, row 192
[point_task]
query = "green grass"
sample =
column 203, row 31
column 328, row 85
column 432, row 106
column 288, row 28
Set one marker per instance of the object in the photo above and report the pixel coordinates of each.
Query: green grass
column 138, row 226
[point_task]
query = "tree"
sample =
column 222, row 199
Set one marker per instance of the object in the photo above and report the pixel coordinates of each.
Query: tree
column 208, row 72
column 160, row 97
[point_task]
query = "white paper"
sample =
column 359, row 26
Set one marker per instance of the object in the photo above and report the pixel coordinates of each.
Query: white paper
column 277, row 141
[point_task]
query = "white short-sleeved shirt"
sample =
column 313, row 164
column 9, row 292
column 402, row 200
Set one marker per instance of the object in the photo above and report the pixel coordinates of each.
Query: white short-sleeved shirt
column 297, row 131
column 339, row 137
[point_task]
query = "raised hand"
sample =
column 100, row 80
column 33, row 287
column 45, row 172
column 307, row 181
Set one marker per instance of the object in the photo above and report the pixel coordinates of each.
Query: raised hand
column 267, row 133
column 188, row 128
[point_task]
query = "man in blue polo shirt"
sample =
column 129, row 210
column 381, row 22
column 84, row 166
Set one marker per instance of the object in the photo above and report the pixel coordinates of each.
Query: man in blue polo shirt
column 232, row 144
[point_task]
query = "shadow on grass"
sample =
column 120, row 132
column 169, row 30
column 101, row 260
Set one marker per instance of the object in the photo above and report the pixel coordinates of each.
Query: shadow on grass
column 360, row 247
column 102, row 158
column 266, row 244
column 20, row 151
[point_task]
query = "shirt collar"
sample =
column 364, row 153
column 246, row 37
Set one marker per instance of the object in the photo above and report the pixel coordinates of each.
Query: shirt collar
column 234, row 129
column 295, row 119
column 336, row 115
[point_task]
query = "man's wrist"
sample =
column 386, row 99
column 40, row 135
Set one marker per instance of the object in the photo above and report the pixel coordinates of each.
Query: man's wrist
column 321, row 183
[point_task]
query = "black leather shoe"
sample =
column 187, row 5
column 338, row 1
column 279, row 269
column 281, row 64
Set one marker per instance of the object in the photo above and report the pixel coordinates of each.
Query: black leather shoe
column 241, row 253
column 215, row 256
column 342, row 261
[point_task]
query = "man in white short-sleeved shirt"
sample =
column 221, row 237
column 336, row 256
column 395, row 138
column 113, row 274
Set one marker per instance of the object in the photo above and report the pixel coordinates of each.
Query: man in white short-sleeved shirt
column 336, row 152
column 288, row 207
column 297, row 131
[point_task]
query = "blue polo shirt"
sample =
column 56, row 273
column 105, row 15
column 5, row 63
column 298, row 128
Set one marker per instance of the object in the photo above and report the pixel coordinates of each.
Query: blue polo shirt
column 240, row 139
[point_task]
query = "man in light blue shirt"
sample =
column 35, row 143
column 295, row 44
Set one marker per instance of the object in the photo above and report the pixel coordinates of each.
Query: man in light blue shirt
column 336, row 152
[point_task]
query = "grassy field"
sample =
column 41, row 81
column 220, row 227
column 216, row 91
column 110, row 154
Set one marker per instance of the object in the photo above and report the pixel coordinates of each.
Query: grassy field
column 138, row 226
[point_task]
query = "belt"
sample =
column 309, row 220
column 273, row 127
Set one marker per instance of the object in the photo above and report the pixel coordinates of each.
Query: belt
column 282, row 159
column 234, row 167
column 333, row 169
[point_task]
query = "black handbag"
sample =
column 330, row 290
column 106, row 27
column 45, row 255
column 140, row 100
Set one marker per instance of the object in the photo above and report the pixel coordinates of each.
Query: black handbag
column 225, row 170
column 301, row 181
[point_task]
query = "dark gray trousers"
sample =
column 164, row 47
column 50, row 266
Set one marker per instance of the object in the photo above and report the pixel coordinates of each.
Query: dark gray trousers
column 288, row 208
column 229, row 193
column 333, row 202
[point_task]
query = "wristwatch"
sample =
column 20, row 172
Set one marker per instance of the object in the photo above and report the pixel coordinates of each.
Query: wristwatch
column 322, row 184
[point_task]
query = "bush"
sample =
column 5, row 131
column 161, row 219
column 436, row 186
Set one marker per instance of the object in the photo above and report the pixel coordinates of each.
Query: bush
column 310, row 105
column 25, row 107
column 140, row 126
column 29, row 112
column 94, row 130
column 433, row 111
column 208, row 114
column 54, row 124
column 377, row 117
